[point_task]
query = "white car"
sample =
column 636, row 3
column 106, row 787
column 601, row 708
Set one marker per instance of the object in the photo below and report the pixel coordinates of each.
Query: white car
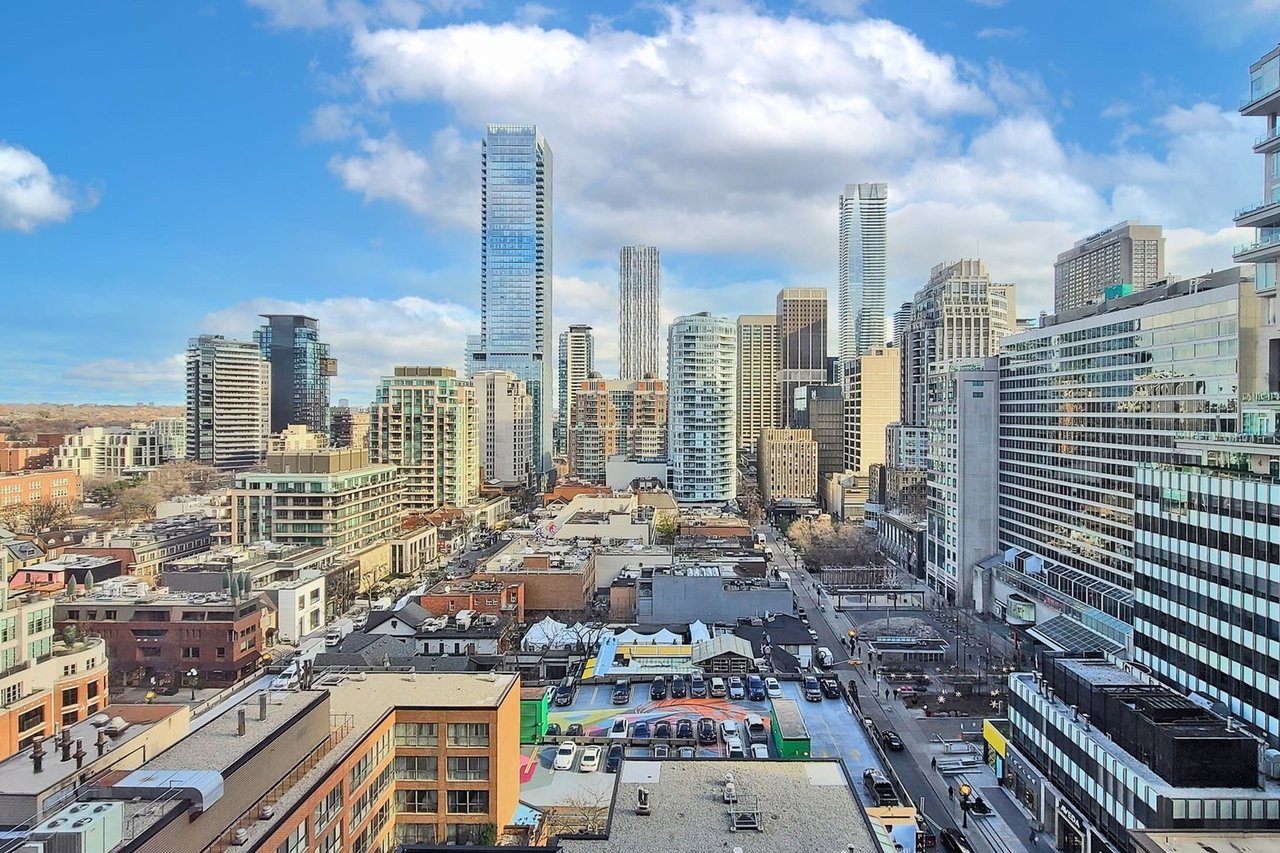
column 619, row 727
column 729, row 729
column 564, row 756
column 590, row 759
column 772, row 687
column 733, row 747
column 759, row 750
column 287, row 680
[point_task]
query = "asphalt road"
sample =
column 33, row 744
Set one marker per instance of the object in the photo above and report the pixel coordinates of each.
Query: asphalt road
column 832, row 628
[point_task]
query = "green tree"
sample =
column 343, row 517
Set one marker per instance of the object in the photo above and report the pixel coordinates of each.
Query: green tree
column 666, row 529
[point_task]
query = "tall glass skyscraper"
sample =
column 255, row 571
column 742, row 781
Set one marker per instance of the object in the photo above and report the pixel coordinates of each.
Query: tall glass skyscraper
column 702, row 358
column 300, row 371
column 863, row 246
column 515, row 270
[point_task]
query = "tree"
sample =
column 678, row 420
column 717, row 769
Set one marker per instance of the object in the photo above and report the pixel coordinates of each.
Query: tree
column 584, row 813
column 137, row 503
column 666, row 528
column 36, row 517
column 840, row 545
column 182, row 477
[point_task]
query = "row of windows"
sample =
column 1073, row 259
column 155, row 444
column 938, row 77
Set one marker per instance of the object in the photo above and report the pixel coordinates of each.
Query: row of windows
column 428, row 734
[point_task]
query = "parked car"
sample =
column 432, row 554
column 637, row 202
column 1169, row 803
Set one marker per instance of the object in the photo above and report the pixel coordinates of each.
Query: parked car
column 574, row 730
column 678, row 687
column 662, row 730
column 590, row 761
column 706, row 730
column 614, row 759
column 756, row 732
column 755, row 688
column 658, row 691
column 619, row 727
column 661, row 751
column 736, row 690
column 830, row 687
column 697, row 686
column 892, row 740
column 553, row 730
column 879, row 787
column 686, row 752
column 718, row 690
column 684, row 729
column 565, row 755
column 812, row 691
column 565, row 691
column 287, row 680
column 640, row 731
column 730, row 729
column 772, row 687
column 759, row 750
column 621, row 692
column 733, row 748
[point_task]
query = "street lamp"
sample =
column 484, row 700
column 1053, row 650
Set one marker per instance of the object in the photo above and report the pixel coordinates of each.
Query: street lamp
column 965, row 791
column 192, row 675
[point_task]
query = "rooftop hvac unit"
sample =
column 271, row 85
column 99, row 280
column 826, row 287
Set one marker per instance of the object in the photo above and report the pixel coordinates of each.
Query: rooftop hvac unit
column 96, row 827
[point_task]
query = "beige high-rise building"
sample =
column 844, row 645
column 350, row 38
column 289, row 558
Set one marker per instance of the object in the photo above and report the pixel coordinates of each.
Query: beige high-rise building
column 1127, row 253
column 228, row 402
column 788, row 464
column 424, row 422
column 576, row 360
column 504, row 425
column 613, row 417
column 871, row 404
column 757, row 377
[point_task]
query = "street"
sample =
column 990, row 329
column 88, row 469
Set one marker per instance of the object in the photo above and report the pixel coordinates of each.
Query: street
column 926, row 788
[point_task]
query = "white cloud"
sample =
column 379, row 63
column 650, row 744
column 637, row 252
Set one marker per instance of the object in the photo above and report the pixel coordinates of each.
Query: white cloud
column 119, row 377
column 1001, row 33
column 31, row 195
column 389, row 170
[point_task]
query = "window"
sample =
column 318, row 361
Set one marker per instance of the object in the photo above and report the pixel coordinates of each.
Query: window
column 190, row 652
column 328, row 807
column 220, row 653
column 71, row 696
column 468, row 802
column 418, row 734
column 10, row 694
column 418, row 801
column 333, row 841
column 368, row 761
column 40, row 620
column 414, row 833
column 462, row 833
column 419, row 767
column 31, row 719
column 296, row 842
column 468, row 734
column 468, row 768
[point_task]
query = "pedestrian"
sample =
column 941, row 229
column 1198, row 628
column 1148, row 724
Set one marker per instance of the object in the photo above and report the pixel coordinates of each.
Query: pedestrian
column 886, row 693
column 1032, row 839
column 933, row 762
column 951, row 793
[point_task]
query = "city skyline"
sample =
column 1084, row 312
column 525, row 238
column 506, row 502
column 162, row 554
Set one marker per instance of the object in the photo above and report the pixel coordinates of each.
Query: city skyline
column 363, row 170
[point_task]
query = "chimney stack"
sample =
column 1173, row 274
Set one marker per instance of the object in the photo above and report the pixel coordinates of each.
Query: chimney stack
column 64, row 738
column 262, row 705
column 79, row 754
column 37, row 754
column 102, row 742
column 240, row 723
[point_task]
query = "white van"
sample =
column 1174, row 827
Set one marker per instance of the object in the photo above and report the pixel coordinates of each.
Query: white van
column 718, row 690
column 824, row 657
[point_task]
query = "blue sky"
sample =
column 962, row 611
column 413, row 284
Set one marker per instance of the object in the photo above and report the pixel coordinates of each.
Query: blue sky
column 169, row 168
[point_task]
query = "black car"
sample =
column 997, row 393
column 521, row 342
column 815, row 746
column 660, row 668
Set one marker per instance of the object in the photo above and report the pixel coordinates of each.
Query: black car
column 659, row 689
column 953, row 841
column 640, row 730
column 621, row 692
column 812, row 691
column 574, row 730
column 684, row 729
column 755, row 688
column 662, row 731
column 678, row 687
column 707, row 730
column 892, row 740
column 614, row 760
column 553, row 730
column 830, row 688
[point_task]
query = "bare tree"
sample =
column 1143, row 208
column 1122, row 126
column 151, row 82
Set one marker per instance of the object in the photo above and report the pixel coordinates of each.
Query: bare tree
column 36, row 517
column 586, row 812
column 137, row 503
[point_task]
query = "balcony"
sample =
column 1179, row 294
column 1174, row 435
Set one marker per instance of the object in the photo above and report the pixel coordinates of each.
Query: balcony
column 1259, row 215
column 1264, row 101
column 1265, row 248
column 1268, row 142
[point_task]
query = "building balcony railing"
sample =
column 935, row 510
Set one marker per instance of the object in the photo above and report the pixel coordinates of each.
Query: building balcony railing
column 1259, row 213
column 1267, row 139
column 1267, row 242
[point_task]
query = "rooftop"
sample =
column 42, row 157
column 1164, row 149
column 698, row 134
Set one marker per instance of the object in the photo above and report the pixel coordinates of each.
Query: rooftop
column 804, row 805
column 524, row 555
column 1201, row 841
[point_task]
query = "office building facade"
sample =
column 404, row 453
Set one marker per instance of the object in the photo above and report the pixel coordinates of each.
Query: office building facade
column 702, row 398
column 575, row 360
column 639, row 310
column 757, row 377
column 300, row 371
column 1128, row 255
column 424, row 422
column 788, row 465
column 871, row 404
column 964, row 406
column 228, row 402
column 959, row 314
column 1094, row 393
column 821, row 410
column 863, row 268
column 504, row 426
column 515, row 271
column 802, row 346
